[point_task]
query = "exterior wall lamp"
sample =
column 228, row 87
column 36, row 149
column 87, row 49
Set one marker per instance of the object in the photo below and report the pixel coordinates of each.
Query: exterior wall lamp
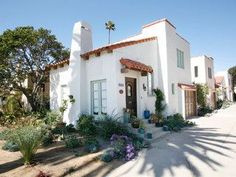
column 144, row 87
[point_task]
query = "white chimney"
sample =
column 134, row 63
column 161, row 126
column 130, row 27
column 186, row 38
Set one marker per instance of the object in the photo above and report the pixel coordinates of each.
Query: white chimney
column 81, row 43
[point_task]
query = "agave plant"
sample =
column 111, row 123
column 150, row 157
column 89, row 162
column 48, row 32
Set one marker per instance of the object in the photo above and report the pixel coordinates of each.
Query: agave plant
column 28, row 139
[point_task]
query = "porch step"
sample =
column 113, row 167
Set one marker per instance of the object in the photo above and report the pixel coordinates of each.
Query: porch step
column 157, row 132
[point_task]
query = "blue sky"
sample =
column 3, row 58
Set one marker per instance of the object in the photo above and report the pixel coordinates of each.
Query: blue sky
column 209, row 25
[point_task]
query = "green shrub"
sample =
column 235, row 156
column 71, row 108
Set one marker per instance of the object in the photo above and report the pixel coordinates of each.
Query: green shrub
column 52, row 118
column 4, row 134
column 70, row 128
column 10, row 146
column 85, row 125
column 202, row 111
column 47, row 139
column 59, row 129
column 91, row 144
column 219, row 104
column 107, row 156
column 14, row 105
column 7, row 119
column 175, row 122
column 28, row 139
column 72, row 142
column 110, row 125
column 226, row 104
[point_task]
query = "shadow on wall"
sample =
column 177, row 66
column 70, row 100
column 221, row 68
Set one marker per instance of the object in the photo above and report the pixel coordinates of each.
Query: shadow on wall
column 54, row 84
column 204, row 145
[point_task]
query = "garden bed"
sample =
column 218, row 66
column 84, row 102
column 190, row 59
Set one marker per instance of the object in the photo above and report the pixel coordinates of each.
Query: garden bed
column 56, row 160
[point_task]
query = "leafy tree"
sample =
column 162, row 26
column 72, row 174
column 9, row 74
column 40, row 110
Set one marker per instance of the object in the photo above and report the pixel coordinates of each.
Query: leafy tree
column 25, row 52
column 110, row 26
column 232, row 71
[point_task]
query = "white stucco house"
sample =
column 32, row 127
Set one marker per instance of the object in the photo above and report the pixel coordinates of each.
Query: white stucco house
column 202, row 72
column 122, row 75
column 224, row 83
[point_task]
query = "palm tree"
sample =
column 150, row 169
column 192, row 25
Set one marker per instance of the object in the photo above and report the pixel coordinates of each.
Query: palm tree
column 110, row 26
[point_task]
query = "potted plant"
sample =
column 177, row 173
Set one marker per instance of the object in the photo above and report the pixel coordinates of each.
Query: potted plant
column 149, row 135
column 142, row 127
column 165, row 128
column 132, row 118
column 126, row 115
column 146, row 113
column 154, row 118
column 160, row 121
column 135, row 123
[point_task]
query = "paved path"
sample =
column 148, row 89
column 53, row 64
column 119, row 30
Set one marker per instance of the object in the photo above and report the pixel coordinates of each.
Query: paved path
column 207, row 150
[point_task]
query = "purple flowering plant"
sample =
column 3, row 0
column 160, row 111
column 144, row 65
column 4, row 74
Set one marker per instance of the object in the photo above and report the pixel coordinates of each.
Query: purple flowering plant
column 122, row 147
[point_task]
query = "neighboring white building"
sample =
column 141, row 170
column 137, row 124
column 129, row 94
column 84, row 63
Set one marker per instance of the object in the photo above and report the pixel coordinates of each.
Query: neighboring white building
column 202, row 71
column 122, row 75
column 225, row 86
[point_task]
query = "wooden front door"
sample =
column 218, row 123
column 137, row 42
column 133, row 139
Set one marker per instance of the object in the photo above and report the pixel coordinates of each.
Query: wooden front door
column 190, row 103
column 131, row 95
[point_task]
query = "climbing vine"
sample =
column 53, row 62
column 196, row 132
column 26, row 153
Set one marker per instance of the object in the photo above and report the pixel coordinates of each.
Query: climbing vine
column 202, row 92
column 159, row 106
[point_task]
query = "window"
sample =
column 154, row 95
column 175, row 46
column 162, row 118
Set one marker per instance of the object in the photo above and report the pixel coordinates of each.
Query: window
column 209, row 73
column 173, row 88
column 150, row 84
column 129, row 90
column 99, row 97
column 180, row 59
column 196, row 71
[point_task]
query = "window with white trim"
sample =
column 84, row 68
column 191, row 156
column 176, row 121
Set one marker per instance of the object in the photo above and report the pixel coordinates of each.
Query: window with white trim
column 150, row 84
column 180, row 59
column 99, row 97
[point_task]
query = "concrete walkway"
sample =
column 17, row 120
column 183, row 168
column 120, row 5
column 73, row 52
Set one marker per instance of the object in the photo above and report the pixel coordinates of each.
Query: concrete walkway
column 207, row 150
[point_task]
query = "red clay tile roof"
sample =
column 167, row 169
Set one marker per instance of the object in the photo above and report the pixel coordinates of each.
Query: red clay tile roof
column 59, row 63
column 135, row 65
column 187, row 86
column 219, row 79
column 116, row 46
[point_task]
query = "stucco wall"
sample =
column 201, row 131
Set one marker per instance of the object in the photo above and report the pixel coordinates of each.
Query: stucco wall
column 228, row 83
column 161, row 54
column 102, row 68
column 145, row 53
column 203, row 63
column 58, row 78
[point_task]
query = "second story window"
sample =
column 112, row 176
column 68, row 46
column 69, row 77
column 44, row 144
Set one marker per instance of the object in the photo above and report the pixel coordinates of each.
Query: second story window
column 195, row 71
column 209, row 73
column 180, row 59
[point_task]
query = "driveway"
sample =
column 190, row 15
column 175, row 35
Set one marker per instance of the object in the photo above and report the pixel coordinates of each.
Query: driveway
column 206, row 150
